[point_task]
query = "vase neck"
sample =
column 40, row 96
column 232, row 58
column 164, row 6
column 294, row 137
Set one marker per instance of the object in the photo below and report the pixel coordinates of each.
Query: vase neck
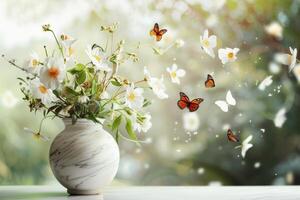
column 68, row 122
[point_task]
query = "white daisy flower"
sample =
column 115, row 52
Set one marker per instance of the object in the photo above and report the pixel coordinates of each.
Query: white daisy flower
column 287, row 59
column 191, row 121
column 40, row 91
column 245, row 146
column 157, row 85
column 53, row 73
column 280, row 118
column 98, row 58
column 143, row 126
column 228, row 55
column 33, row 64
column 8, row 99
column 296, row 72
column 36, row 135
column 175, row 73
column 274, row 29
column 134, row 98
column 208, row 43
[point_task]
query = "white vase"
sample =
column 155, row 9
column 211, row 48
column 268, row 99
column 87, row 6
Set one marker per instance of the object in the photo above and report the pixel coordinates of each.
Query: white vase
column 84, row 157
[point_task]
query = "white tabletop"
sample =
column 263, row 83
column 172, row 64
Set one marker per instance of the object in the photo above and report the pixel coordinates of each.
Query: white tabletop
column 156, row 193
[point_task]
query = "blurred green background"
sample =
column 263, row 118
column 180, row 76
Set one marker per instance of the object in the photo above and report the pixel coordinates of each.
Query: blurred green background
column 174, row 156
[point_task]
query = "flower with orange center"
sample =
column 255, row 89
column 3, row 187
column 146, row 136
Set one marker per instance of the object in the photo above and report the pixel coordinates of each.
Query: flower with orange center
column 40, row 91
column 228, row 55
column 53, row 73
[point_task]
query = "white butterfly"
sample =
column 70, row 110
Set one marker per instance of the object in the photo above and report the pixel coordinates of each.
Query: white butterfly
column 223, row 105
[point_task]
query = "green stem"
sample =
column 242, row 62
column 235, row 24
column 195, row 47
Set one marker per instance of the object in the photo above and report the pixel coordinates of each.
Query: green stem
column 58, row 44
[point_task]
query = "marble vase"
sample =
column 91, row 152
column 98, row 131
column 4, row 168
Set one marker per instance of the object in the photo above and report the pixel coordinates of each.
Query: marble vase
column 84, row 158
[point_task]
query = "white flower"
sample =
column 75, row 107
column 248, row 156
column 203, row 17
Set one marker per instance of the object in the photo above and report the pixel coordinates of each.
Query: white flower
column 190, row 121
column 33, row 64
column 274, row 29
column 280, row 118
column 40, row 91
column 36, row 135
column 83, row 99
column 8, row 99
column 179, row 43
column 98, row 58
column 265, row 83
column 53, row 73
column 287, row 59
column 175, row 73
column 208, row 43
column 156, row 84
column 134, row 98
column 245, row 146
column 228, row 55
column 144, row 125
column 296, row 72
column 67, row 42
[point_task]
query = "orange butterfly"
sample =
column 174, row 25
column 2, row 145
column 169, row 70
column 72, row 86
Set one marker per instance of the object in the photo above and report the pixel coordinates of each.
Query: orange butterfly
column 210, row 82
column 157, row 33
column 184, row 102
column 231, row 136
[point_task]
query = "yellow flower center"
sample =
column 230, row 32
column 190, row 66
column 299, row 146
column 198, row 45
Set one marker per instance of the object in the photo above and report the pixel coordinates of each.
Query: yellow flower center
column 34, row 62
column 43, row 89
column 230, row 55
column 53, row 72
column 131, row 96
column 98, row 58
column 173, row 74
column 206, row 43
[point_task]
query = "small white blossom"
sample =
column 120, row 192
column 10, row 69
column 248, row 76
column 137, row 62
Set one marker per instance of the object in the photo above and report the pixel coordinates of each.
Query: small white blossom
column 33, row 64
column 143, row 126
column 40, row 91
column 228, row 55
column 67, row 42
column 36, row 135
column 208, row 43
column 296, row 72
column 53, row 73
column 191, row 121
column 134, row 98
column 157, row 85
column 175, row 73
column 98, row 58
column 274, row 29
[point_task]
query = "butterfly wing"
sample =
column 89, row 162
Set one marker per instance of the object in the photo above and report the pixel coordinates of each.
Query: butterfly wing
column 210, row 82
column 194, row 104
column 184, row 101
column 222, row 105
column 231, row 136
column 229, row 98
column 155, row 30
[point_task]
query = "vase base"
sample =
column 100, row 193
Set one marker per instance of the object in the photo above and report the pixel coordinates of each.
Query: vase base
column 85, row 192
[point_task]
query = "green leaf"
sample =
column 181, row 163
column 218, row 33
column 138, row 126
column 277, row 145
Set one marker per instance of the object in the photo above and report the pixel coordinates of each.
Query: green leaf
column 52, row 108
column 71, row 91
column 116, row 123
column 80, row 77
column 117, row 137
column 146, row 103
column 78, row 68
column 130, row 131
column 157, row 51
column 115, row 83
